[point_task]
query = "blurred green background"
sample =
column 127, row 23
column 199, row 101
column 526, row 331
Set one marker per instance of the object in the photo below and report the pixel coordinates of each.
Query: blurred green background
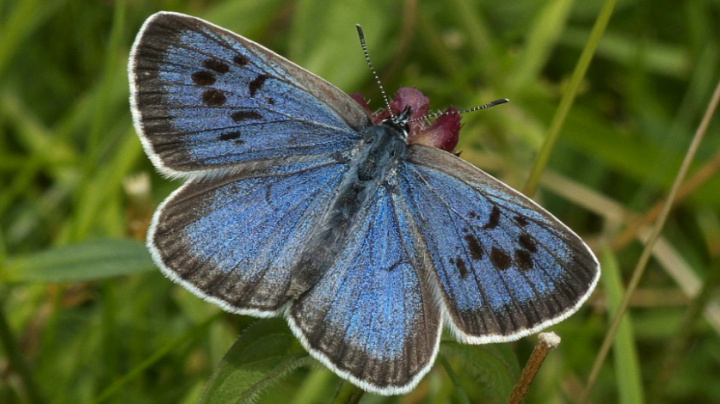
column 86, row 317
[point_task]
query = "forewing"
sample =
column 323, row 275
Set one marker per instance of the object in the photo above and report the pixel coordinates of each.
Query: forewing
column 372, row 317
column 234, row 240
column 205, row 99
column 505, row 267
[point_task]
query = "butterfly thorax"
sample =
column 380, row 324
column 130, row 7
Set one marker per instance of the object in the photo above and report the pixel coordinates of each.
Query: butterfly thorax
column 381, row 149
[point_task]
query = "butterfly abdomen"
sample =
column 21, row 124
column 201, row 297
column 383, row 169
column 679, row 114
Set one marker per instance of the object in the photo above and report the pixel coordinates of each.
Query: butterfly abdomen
column 381, row 148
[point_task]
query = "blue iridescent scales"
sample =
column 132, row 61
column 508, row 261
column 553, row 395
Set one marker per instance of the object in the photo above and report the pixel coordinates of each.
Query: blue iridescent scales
column 296, row 203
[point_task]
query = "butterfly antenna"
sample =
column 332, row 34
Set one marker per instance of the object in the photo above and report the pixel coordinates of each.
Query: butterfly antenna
column 464, row 111
column 361, row 34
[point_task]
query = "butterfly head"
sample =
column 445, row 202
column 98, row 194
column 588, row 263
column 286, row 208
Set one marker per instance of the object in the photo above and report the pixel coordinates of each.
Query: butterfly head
column 406, row 114
column 400, row 122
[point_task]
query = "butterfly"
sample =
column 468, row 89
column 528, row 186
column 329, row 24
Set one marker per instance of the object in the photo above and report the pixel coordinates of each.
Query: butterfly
column 299, row 202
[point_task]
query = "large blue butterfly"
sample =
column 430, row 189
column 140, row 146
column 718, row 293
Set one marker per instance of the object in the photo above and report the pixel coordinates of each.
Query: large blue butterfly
column 297, row 204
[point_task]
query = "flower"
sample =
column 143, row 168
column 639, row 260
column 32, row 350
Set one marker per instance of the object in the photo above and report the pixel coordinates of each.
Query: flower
column 442, row 134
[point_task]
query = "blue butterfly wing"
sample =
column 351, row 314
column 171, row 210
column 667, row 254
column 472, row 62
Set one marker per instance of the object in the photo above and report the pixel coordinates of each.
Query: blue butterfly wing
column 505, row 267
column 205, row 99
column 234, row 240
column 269, row 149
column 372, row 318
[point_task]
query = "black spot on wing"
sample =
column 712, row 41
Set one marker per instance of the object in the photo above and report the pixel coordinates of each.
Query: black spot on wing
column 241, row 60
column 461, row 266
column 216, row 65
column 523, row 260
column 527, row 242
column 494, row 218
column 394, row 266
column 229, row 136
column 214, row 98
column 521, row 220
column 500, row 259
column 256, row 84
column 476, row 249
column 240, row 116
column 203, row 78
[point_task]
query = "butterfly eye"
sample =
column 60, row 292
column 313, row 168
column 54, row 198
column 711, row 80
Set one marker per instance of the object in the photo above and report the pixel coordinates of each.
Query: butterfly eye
column 398, row 125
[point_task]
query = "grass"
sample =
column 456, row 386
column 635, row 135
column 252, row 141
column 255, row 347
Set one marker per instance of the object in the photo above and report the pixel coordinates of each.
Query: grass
column 86, row 317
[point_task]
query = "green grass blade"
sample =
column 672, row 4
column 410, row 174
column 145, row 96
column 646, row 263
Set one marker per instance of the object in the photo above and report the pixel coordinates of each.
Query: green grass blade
column 80, row 262
column 627, row 368
column 568, row 98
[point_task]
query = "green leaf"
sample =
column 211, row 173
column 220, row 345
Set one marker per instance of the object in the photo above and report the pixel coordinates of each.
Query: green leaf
column 263, row 355
column 494, row 366
column 90, row 260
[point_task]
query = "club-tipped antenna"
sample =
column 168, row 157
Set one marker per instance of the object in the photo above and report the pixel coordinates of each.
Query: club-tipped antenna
column 361, row 34
column 464, row 111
